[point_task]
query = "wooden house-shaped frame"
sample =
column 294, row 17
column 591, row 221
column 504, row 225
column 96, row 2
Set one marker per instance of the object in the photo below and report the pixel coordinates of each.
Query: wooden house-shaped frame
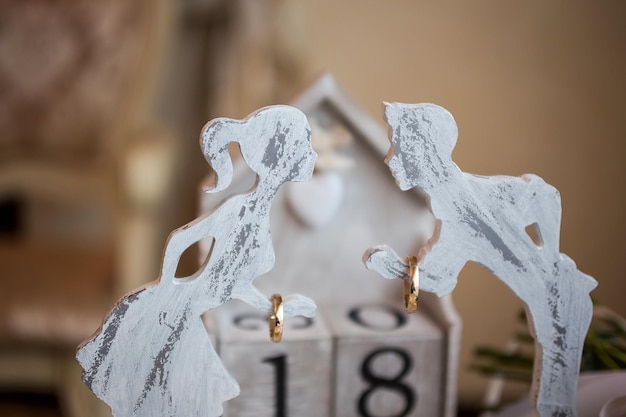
column 324, row 262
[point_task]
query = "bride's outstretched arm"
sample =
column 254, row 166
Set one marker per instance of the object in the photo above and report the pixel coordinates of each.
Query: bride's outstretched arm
column 293, row 305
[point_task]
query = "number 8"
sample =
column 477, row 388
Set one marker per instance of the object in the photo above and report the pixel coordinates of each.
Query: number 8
column 389, row 383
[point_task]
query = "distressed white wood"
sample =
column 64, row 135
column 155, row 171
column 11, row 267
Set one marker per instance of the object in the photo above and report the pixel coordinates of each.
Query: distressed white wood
column 388, row 363
column 152, row 356
column 303, row 357
column 483, row 219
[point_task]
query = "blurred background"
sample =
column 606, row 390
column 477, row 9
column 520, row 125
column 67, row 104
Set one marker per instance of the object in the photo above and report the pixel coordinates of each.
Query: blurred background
column 102, row 102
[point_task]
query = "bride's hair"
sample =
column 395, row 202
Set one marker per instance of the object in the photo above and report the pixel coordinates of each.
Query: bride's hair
column 264, row 137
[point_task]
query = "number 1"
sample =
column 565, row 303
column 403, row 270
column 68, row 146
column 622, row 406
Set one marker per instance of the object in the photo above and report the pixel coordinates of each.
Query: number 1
column 280, row 393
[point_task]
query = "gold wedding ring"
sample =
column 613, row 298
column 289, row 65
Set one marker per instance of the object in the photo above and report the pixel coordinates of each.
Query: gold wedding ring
column 276, row 319
column 411, row 287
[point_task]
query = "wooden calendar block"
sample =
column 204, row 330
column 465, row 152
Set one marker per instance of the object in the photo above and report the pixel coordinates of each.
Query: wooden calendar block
column 290, row 378
column 388, row 363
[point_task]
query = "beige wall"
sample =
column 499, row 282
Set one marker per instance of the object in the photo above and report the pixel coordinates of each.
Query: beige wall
column 535, row 86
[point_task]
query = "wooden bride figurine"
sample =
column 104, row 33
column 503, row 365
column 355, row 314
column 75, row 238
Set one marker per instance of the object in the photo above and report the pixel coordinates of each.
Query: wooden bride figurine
column 484, row 219
column 152, row 356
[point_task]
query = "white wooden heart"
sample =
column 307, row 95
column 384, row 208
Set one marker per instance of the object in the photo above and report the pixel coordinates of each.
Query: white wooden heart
column 317, row 202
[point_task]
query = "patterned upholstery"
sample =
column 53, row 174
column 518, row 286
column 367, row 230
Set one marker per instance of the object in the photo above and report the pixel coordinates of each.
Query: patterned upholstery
column 66, row 69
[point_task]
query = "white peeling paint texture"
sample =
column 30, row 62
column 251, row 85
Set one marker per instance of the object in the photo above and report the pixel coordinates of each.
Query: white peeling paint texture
column 152, row 356
column 484, row 219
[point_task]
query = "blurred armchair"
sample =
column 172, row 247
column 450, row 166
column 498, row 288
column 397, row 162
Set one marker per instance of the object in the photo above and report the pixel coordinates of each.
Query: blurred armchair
column 83, row 178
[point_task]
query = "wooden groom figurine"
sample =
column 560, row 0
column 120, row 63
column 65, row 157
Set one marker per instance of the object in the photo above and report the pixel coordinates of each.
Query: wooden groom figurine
column 483, row 219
